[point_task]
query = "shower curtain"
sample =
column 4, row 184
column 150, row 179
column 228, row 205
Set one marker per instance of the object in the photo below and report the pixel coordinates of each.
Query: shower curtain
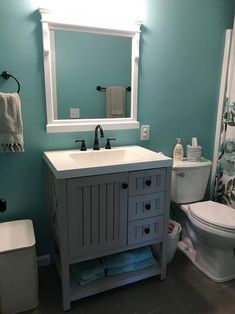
column 224, row 189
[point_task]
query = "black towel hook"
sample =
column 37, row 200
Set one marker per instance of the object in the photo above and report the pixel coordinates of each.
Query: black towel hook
column 7, row 75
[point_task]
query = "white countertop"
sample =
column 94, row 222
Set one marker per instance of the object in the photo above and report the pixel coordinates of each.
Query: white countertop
column 75, row 163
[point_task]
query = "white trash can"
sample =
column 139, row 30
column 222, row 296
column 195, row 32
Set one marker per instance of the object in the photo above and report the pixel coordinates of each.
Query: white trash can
column 18, row 267
column 173, row 239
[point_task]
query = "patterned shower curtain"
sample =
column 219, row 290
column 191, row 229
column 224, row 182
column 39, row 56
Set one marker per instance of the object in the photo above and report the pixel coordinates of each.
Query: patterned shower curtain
column 224, row 190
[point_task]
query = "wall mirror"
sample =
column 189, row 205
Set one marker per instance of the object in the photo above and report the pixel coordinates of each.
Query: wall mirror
column 90, row 71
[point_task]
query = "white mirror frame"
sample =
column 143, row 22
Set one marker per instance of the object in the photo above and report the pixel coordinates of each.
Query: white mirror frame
column 60, row 21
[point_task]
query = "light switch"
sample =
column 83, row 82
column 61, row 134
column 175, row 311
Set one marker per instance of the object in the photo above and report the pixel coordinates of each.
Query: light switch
column 74, row 113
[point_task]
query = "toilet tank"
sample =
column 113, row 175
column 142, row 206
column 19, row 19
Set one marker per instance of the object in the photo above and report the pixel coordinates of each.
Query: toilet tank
column 189, row 180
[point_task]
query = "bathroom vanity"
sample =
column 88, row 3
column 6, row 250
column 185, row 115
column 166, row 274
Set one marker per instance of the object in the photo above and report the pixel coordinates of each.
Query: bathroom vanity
column 104, row 202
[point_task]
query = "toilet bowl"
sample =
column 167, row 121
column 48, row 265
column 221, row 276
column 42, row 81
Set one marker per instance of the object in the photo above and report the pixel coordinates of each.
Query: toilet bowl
column 214, row 222
column 208, row 235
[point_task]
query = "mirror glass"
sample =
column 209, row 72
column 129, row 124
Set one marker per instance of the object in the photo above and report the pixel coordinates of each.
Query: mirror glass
column 90, row 72
column 84, row 61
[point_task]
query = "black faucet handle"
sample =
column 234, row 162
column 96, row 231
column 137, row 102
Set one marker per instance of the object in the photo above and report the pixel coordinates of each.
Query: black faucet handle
column 108, row 145
column 83, row 145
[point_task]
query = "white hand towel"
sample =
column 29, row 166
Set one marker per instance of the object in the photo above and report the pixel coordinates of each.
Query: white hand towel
column 11, row 125
column 115, row 101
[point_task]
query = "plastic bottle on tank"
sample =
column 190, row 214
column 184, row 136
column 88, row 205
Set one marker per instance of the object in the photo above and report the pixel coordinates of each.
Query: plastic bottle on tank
column 178, row 153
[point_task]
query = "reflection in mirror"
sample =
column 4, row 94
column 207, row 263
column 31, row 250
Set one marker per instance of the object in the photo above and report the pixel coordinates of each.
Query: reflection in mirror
column 84, row 61
column 81, row 54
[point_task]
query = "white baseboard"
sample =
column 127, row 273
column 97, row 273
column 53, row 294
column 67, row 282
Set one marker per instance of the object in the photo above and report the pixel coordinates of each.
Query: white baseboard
column 44, row 260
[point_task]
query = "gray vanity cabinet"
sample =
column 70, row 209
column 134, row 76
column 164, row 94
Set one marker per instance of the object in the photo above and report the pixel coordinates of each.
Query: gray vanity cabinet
column 98, row 215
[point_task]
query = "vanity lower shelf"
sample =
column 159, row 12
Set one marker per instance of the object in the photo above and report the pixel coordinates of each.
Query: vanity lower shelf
column 109, row 282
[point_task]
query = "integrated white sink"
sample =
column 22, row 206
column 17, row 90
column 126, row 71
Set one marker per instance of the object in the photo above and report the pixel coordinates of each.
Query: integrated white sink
column 103, row 157
column 75, row 163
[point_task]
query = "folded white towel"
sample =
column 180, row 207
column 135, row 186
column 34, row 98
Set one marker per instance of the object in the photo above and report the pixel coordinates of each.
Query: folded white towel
column 11, row 125
column 115, row 101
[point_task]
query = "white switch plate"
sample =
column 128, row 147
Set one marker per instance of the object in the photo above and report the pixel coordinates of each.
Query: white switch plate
column 74, row 113
column 145, row 132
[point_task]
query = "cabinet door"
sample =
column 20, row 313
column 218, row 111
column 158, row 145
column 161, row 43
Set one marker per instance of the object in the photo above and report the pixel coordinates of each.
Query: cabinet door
column 97, row 214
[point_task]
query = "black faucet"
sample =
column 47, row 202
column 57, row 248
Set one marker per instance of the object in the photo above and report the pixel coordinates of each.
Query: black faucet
column 96, row 141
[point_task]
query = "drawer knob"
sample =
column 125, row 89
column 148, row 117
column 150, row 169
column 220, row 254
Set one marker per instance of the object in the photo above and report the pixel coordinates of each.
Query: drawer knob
column 124, row 186
column 146, row 230
column 148, row 182
column 147, row 206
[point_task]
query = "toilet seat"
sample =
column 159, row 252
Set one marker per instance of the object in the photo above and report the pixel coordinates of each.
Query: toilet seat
column 214, row 215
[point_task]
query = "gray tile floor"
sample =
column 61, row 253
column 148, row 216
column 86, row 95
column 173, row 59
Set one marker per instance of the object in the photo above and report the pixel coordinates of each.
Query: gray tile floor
column 186, row 290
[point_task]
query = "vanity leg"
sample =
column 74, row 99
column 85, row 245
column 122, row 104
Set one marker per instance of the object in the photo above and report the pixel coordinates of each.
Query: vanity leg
column 51, row 209
column 163, row 257
column 162, row 261
column 65, row 283
column 64, row 251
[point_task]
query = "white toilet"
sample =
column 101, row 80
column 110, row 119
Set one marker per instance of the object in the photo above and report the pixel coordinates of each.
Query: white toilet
column 208, row 228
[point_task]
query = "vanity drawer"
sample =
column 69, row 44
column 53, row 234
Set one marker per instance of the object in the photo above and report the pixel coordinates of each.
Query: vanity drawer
column 147, row 181
column 145, row 230
column 145, row 206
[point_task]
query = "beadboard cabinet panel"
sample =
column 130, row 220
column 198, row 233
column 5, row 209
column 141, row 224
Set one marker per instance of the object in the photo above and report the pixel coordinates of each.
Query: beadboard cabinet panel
column 97, row 214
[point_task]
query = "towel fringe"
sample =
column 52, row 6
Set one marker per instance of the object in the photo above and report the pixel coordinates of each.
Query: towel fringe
column 11, row 147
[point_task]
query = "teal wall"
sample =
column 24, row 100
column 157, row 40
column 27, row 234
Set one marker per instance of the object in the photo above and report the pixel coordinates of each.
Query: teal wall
column 181, row 56
column 85, row 60
column 182, row 51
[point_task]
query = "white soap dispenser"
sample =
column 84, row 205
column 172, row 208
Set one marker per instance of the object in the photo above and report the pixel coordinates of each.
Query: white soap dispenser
column 178, row 153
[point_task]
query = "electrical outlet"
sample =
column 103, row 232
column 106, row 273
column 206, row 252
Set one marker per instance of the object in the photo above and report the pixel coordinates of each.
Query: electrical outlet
column 145, row 132
column 74, row 113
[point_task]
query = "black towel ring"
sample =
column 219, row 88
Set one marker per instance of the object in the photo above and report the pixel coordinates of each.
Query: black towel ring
column 7, row 75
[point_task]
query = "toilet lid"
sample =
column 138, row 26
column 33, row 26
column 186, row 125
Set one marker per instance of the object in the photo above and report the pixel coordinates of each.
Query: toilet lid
column 214, row 213
column 185, row 164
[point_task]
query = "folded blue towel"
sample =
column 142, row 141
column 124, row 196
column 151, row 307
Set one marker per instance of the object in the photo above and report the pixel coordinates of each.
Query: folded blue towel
column 88, row 270
column 120, row 270
column 132, row 267
column 86, row 282
column 126, row 258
